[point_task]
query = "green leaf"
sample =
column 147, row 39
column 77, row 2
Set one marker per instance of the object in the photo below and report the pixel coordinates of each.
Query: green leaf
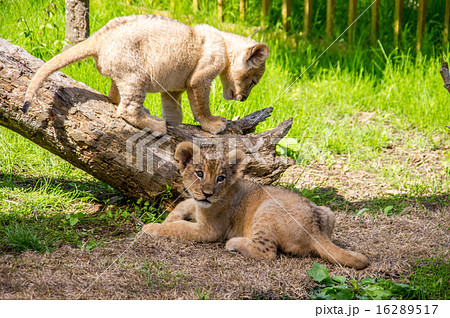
column 377, row 292
column 340, row 292
column 73, row 221
column 362, row 211
column 388, row 209
column 354, row 283
column 364, row 298
column 322, row 295
column 281, row 151
column 290, row 143
column 339, row 279
column 319, row 273
column 367, row 281
column 345, row 294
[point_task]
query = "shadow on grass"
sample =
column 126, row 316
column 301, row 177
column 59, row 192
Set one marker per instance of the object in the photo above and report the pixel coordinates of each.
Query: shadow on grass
column 97, row 190
column 389, row 205
column 114, row 217
column 102, row 214
column 105, row 215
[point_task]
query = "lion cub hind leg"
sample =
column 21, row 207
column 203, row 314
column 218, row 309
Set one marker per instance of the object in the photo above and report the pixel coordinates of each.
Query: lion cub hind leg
column 261, row 245
column 171, row 107
column 327, row 219
column 131, row 109
column 114, row 95
column 256, row 248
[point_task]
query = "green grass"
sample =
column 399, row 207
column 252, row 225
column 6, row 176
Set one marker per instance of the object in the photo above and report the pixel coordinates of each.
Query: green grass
column 432, row 277
column 19, row 237
column 159, row 275
column 351, row 107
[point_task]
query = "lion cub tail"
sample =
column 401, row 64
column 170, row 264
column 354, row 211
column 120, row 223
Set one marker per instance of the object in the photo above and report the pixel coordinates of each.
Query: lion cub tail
column 69, row 56
column 335, row 254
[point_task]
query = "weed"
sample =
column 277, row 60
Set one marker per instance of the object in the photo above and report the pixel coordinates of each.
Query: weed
column 150, row 212
column 204, row 294
column 336, row 287
column 20, row 237
column 159, row 275
column 89, row 245
column 73, row 219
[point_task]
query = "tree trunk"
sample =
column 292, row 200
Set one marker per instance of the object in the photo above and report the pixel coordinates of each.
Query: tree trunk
column 77, row 21
column 79, row 124
column 446, row 77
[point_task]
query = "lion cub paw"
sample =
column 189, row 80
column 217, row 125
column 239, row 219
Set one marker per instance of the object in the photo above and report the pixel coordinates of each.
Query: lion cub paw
column 235, row 244
column 143, row 120
column 214, row 125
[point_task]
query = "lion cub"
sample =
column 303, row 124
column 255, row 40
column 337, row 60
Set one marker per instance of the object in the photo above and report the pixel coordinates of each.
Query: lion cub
column 149, row 54
column 257, row 220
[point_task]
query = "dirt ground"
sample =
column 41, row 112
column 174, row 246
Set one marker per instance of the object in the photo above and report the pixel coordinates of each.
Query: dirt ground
column 161, row 268
column 185, row 270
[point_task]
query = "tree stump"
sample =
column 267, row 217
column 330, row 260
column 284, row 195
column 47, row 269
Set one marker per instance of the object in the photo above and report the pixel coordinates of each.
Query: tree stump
column 79, row 124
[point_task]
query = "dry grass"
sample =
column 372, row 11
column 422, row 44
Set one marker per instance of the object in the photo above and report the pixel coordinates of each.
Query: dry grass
column 182, row 270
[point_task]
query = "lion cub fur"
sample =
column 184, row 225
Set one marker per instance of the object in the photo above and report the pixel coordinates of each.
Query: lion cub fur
column 257, row 220
column 149, row 54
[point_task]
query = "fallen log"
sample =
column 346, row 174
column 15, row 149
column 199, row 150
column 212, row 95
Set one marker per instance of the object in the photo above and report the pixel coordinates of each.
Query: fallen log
column 79, row 124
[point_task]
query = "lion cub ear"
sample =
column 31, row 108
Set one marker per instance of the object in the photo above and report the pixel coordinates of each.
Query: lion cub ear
column 185, row 154
column 256, row 55
column 236, row 159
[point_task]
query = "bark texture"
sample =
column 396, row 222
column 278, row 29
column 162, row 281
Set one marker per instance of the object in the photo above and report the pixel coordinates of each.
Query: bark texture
column 77, row 21
column 445, row 76
column 79, row 124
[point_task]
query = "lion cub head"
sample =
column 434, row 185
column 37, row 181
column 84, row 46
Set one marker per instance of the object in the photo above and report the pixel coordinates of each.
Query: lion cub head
column 207, row 175
column 244, row 72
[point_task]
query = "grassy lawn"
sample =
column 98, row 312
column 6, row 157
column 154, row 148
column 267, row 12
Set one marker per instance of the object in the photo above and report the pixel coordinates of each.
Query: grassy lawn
column 376, row 114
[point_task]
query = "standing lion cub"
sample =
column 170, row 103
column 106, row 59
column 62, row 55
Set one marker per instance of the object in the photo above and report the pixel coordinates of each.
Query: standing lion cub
column 256, row 220
column 150, row 54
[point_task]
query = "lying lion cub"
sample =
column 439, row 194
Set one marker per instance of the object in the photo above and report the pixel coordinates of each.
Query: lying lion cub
column 149, row 54
column 256, row 220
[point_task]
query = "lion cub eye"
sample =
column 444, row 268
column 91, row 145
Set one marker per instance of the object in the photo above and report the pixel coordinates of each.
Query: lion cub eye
column 199, row 174
column 220, row 179
column 252, row 84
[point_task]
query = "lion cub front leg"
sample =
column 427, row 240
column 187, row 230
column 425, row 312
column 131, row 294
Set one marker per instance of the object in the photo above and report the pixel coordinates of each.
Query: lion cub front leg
column 198, row 90
column 182, row 230
column 199, row 101
column 183, row 211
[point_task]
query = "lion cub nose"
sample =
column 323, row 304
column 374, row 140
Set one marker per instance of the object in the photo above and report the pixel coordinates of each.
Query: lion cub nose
column 241, row 98
column 207, row 194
